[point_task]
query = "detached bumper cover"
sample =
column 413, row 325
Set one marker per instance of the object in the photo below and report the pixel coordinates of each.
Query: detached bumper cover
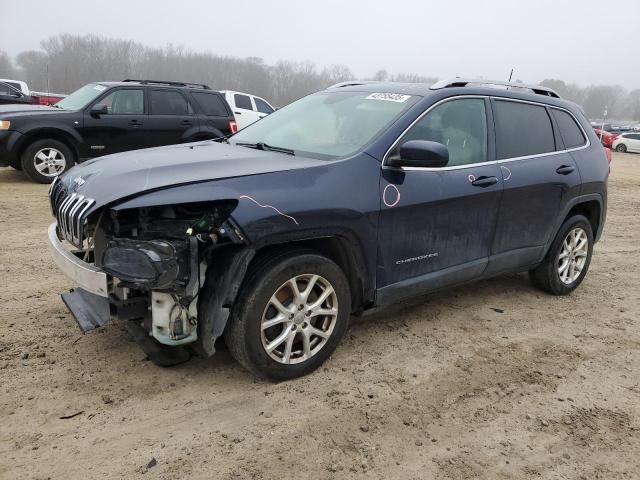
column 90, row 311
column 86, row 276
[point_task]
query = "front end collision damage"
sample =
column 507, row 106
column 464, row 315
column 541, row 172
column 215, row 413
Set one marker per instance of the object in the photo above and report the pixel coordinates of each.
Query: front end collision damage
column 170, row 269
column 194, row 242
column 147, row 266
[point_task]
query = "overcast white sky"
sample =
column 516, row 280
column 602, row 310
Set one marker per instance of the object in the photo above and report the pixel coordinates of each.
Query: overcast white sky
column 583, row 41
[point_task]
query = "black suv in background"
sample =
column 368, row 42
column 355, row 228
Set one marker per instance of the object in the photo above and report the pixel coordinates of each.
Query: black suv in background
column 353, row 198
column 109, row 117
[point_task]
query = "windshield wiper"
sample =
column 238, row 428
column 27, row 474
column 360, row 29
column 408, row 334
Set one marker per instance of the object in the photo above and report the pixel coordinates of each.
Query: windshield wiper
column 267, row 148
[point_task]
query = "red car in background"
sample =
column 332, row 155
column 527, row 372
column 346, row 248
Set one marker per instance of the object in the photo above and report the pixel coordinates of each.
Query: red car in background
column 41, row 98
column 607, row 138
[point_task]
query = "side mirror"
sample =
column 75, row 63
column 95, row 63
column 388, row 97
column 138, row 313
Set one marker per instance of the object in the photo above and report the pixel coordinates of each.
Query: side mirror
column 98, row 110
column 422, row 153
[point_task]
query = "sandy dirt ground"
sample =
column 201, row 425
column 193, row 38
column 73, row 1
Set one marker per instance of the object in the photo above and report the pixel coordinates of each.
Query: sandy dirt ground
column 494, row 380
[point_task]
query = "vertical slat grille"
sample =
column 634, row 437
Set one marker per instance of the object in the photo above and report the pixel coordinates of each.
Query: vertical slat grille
column 70, row 212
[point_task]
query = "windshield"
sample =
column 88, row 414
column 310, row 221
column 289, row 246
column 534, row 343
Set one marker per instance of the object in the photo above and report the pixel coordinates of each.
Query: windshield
column 81, row 97
column 328, row 124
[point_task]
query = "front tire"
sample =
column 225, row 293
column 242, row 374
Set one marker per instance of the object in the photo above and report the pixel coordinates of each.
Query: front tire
column 622, row 148
column 45, row 159
column 567, row 262
column 290, row 316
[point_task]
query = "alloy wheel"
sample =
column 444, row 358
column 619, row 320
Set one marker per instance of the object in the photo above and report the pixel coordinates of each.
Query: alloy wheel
column 573, row 255
column 299, row 319
column 49, row 162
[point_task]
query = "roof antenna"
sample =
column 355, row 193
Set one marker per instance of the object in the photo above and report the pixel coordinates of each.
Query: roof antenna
column 48, row 95
column 511, row 75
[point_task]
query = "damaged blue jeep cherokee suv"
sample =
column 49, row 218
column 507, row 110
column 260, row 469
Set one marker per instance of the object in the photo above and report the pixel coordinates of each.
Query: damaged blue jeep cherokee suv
column 352, row 198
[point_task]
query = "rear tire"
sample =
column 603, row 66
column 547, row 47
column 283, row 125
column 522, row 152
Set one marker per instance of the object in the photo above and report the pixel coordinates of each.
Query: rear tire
column 567, row 262
column 622, row 148
column 45, row 159
column 270, row 334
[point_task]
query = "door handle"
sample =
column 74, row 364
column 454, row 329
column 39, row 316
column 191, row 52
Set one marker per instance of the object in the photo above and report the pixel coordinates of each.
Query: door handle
column 134, row 123
column 187, row 122
column 565, row 169
column 484, row 181
column 238, row 113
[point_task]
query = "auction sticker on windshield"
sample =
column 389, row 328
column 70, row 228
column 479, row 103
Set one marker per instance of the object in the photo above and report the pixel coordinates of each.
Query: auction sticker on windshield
column 389, row 97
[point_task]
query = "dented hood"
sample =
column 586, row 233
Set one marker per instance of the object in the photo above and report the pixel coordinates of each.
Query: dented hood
column 122, row 176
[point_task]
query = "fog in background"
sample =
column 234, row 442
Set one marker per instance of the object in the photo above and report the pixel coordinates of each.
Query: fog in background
column 284, row 49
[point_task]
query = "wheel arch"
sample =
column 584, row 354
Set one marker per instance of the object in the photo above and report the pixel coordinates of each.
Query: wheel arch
column 591, row 206
column 229, row 266
column 340, row 250
column 591, row 209
column 207, row 133
column 53, row 133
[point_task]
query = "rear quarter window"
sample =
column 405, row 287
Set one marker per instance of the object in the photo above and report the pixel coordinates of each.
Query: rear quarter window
column 570, row 132
column 522, row 129
column 211, row 104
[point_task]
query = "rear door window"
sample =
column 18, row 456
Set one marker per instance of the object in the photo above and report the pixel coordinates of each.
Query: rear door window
column 242, row 101
column 522, row 129
column 262, row 106
column 570, row 132
column 211, row 104
column 169, row 102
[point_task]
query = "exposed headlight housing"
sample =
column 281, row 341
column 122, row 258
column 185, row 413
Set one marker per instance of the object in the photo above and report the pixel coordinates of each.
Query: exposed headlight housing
column 5, row 124
column 145, row 265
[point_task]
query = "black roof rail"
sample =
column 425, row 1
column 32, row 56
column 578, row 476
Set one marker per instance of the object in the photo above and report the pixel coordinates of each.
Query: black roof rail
column 171, row 84
column 353, row 83
column 464, row 82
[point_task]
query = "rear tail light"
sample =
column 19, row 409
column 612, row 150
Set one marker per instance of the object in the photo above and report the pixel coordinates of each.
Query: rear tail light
column 233, row 126
column 607, row 152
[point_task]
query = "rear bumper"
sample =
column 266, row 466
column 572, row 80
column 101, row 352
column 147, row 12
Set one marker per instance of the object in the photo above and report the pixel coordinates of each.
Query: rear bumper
column 84, row 275
column 9, row 142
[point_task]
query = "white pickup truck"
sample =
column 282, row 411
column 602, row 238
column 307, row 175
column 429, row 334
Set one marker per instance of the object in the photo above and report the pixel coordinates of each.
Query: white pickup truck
column 246, row 108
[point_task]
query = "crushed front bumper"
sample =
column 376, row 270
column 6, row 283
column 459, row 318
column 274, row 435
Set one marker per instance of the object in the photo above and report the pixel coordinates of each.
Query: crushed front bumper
column 89, row 303
column 86, row 276
column 98, row 298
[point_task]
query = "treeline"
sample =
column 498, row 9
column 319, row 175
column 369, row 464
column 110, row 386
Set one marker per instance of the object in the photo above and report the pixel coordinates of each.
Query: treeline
column 619, row 103
column 70, row 61
column 73, row 61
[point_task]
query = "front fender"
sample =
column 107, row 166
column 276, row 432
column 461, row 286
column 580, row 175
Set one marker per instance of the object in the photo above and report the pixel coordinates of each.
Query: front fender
column 70, row 135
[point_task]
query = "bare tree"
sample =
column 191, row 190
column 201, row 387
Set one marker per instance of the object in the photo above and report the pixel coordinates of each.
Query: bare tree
column 6, row 67
column 75, row 60
column 33, row 68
